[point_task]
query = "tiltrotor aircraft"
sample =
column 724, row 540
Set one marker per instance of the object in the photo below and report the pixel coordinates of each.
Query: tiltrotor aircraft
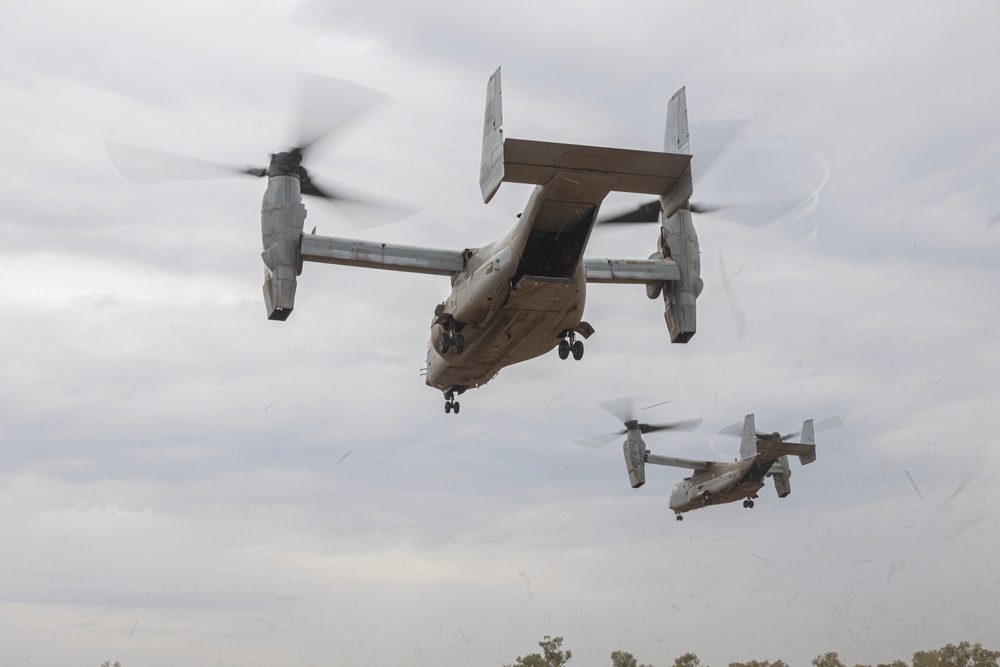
column 524, row 294
column 762, row 455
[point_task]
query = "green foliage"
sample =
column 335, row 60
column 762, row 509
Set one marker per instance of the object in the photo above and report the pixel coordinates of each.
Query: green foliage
column 552, row 655
column 625, row 659
column 687, row 660
column 827, row 660
column 963, row 655
column 758, row 663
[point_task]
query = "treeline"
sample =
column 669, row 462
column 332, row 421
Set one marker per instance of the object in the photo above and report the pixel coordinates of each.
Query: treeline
column 962, row 655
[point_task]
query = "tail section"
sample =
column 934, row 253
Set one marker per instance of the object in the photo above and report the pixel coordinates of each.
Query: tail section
column 538, row 162
column 748, row 445
column 805, row 450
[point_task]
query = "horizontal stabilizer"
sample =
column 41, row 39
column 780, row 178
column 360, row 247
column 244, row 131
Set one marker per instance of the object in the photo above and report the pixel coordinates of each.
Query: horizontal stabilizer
column 771, row 450
column 642, row 172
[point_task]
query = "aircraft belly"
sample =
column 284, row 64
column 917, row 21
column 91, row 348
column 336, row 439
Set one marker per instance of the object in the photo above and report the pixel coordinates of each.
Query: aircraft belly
column 527, row 326
column 721, row 492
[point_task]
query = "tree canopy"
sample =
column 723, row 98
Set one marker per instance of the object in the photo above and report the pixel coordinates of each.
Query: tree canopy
column 552, row 655
column 625, row 659
column 963, row 654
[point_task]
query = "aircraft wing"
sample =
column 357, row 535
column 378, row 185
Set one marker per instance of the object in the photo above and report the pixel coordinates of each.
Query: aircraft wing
column 387, row 256
column 678, row 463
column 630, row 271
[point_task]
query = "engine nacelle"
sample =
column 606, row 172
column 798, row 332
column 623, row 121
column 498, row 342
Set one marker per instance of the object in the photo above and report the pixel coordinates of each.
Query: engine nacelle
column 679, row 241
column 635, row 459
column 477, row 297
column 282, row 217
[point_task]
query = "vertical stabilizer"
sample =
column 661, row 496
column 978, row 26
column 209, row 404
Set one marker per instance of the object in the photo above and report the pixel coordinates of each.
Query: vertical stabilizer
column 677, row 140
column 748, row 446
column 808, row 438
column 491, row 168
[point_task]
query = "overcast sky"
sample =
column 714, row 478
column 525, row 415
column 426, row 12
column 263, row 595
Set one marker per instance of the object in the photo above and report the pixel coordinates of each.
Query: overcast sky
column 185, row 482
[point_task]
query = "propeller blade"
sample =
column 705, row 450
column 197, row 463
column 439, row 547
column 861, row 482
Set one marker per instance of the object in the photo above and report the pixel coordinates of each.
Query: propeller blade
column 828, row 423
column 825, row 425
column 622, row 408
column 143, row 165
column 323, row 105
column 732, row 429
column 712, row 138
column 648, row 212
column 689, row 425
column 752, row 214
column 599, row 441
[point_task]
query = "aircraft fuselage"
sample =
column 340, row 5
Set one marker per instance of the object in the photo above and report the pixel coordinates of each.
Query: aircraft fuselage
column 517, row 298
column 721, row 483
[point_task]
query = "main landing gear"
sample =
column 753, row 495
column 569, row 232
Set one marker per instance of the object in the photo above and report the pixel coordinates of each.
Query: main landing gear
column 568, row 344
column 748, row 503
column 450, row 404
column 680, row 517
column 451, row 339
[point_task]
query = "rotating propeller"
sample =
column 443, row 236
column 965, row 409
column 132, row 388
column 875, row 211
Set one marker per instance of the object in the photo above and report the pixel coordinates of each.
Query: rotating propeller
column 323, row 106
column 624, row 409
column 825, row 425
column 714, row 138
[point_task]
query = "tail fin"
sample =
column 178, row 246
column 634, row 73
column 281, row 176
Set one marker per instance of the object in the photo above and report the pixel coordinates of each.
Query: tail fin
column 677, row 140
column 491, row 170
column 748, row 446
column 808, row 438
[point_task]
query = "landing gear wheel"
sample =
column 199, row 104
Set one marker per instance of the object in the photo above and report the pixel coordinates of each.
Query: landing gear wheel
column 577, row 348
column 707, row 497
column 749, row 504
column 459, row 346
column 563, row 349
column 746, row 504
column 680, row 517
column 450, row 404
column 445, row 343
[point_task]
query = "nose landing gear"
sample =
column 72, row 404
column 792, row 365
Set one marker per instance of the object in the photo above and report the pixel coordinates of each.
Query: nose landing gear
column 450, row 404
